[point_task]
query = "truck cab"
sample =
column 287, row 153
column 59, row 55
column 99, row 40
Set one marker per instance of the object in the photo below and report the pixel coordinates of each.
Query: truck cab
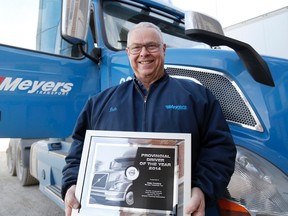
column 113, row 184
column 79, row 50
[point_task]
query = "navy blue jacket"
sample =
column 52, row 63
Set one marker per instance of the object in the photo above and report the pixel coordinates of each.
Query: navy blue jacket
column 171, row 105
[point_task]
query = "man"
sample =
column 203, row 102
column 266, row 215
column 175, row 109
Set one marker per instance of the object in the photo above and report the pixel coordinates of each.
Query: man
column 144, row 104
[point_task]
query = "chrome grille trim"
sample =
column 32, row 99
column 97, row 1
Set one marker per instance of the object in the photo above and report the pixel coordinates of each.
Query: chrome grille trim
column 235, row 106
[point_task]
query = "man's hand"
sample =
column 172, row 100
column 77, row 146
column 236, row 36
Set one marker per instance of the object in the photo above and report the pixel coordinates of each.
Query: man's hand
column 196, row 206
column 70, row 201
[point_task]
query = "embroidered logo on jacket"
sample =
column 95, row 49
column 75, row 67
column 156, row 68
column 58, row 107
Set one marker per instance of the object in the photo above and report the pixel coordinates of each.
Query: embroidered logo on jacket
column 176, row 107
column 113, row 109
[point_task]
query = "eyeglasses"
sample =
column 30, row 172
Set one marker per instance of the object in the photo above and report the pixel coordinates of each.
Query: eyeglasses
column 150, row 47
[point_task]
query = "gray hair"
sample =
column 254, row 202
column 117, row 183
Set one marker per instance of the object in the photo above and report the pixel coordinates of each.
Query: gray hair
column 146, row 25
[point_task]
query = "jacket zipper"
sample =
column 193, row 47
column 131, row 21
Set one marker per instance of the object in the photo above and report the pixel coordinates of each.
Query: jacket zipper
column 145, row 97
column 145, row 112
column 145, row 100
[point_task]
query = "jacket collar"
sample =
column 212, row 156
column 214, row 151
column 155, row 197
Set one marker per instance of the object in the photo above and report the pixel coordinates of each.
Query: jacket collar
column 153, row 85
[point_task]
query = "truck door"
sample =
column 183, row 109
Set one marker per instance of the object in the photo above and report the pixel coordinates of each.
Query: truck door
column 44, row 80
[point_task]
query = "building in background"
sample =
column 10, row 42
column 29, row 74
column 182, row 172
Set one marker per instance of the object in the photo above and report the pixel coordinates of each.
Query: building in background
column 261, row 23
column 267, row 33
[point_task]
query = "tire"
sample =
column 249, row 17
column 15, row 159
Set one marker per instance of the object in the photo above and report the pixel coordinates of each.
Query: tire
column 23, row 173
column 129, row 198
column 11, row 159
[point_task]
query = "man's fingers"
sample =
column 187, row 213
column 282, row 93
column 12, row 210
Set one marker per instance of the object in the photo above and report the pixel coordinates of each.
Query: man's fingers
column 68, row 211
column 191, row 207
column 196, row 205
column 70, row 201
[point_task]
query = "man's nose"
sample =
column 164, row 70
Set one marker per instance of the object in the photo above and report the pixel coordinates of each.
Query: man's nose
column 144, row 51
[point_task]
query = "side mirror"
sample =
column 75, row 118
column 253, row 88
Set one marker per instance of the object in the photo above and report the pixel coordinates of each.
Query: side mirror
column 202, row 28
column 75, row 20
column 195, row 20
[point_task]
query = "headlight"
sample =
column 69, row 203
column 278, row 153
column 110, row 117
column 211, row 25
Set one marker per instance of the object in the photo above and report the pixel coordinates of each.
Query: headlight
column 116, row 186
column 256, row 188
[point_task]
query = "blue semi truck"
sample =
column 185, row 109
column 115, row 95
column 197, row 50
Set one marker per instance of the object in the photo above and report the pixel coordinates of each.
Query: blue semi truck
column 79, row 50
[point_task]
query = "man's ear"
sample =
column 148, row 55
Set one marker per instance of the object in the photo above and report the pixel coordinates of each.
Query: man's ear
column 164, row 49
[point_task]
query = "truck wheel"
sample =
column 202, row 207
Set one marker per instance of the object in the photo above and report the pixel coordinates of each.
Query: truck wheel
column 11, row 160
column 23, row 173
column 129, row 198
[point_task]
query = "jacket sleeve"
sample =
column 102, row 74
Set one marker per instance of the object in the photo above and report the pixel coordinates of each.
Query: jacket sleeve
column 216, row 157
column 71, row 169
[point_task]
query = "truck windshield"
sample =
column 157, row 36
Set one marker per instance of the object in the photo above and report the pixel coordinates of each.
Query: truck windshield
column 119, row 17
column 122, row 163
column 35, row 25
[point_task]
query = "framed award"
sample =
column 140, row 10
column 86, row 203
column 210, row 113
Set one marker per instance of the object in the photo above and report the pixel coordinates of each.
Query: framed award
column 134, row 173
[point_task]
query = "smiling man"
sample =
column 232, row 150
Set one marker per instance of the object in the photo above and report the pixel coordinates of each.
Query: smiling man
column 155, row 102
column 146, row 52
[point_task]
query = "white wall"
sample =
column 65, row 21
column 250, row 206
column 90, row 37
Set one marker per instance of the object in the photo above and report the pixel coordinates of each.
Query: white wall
column 267, row 34
column 4, row 144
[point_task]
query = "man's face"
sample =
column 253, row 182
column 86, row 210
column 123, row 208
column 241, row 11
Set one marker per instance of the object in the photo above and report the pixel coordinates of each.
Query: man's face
column 147, row 65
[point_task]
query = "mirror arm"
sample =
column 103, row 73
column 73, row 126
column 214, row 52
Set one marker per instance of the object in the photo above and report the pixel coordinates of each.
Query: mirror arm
column 95, row 56
column 254, row 63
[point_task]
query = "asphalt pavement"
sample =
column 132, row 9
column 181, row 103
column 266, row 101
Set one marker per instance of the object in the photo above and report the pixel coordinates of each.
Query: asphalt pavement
column 16, row 200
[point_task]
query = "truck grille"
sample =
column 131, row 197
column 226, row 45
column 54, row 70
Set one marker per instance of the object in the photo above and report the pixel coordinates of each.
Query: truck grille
column 100, row 180
column 233, row 102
